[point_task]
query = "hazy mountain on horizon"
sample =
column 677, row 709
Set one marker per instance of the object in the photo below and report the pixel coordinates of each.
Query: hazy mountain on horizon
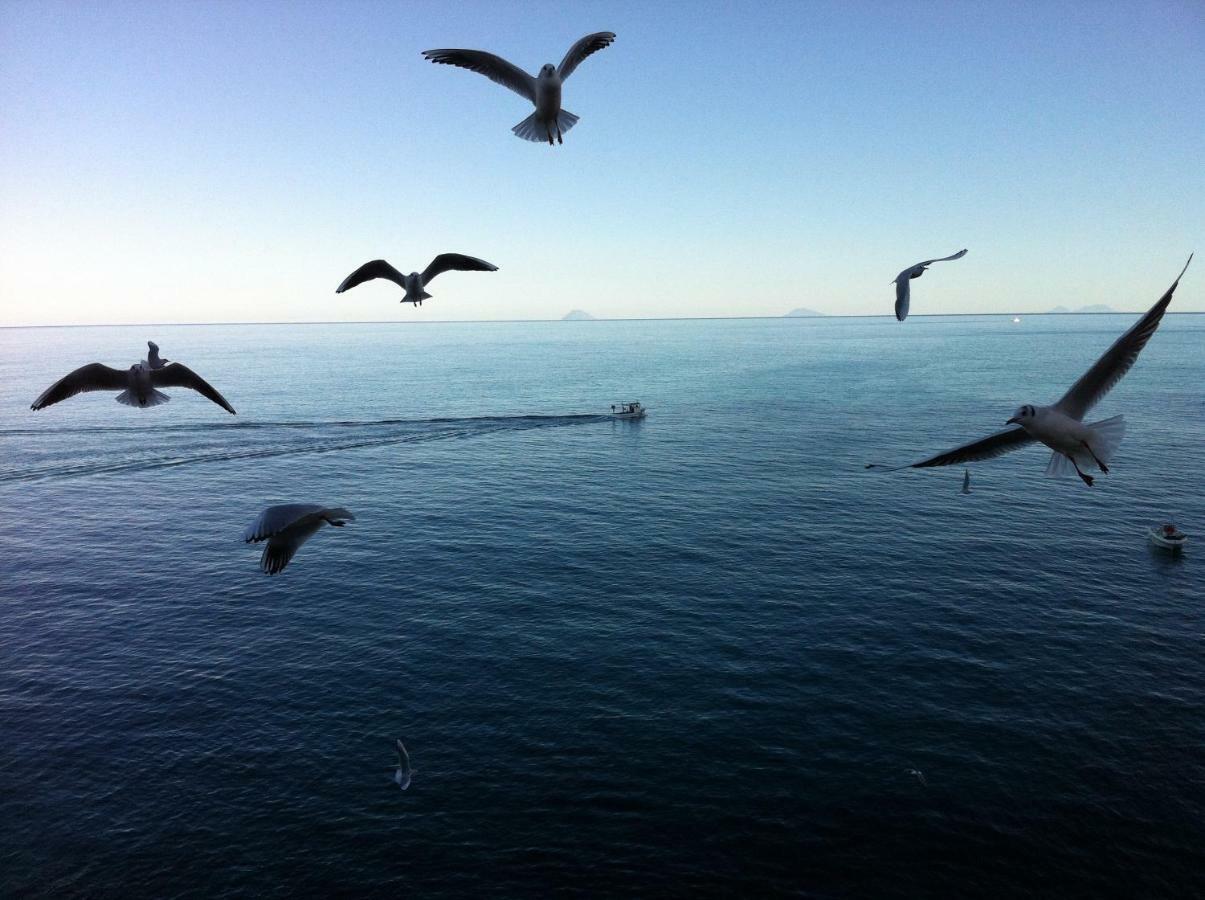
column 1093, row 308
column 577, row 315
column 802, row 312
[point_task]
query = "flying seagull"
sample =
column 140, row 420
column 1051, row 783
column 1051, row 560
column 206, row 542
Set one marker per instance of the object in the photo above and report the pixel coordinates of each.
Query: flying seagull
column 549, row 121
column 287, row 526
column 902, row 280
column 415, row 283
column 153, row 360
column 137, row 384
column 1060, row 426
column 403, row 772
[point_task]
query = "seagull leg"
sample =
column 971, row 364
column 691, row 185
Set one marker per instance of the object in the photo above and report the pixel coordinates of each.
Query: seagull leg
column 558, row 133
column 1088, row 479
column 1103, row 467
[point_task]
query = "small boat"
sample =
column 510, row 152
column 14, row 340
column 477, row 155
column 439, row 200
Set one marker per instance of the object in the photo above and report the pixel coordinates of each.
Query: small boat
column 1168, row 537
column 630, row 409
column 1016, row 320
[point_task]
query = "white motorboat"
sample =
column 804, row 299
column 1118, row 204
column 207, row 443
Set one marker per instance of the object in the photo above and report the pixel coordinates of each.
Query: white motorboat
column 630, row 409
column 1169, row 537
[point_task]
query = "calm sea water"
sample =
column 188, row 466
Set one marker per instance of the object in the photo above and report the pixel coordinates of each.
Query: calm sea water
column 694, row 656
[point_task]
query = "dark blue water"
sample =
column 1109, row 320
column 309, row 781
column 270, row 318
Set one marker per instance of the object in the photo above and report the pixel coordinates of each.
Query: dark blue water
column 694, row 656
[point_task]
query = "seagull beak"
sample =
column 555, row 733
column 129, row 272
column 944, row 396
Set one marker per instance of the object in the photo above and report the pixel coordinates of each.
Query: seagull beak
column 1013, row 421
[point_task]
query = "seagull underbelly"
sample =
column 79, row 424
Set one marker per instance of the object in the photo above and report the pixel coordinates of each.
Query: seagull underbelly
column 548, row 99
column 1060, row 433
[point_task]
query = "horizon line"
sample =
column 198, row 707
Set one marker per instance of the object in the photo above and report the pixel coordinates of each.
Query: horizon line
column 888, row 317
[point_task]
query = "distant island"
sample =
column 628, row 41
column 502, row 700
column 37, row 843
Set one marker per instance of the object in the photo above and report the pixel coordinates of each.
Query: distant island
column 1094, row 308
column 803, row 312
column 577, row 315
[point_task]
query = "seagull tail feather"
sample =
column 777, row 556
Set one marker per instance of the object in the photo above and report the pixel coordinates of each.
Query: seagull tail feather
column 532, row 129
column 155, row 398
column 1106, row 436
column 536, row 130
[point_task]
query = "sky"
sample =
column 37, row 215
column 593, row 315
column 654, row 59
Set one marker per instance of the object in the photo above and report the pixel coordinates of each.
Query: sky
column 165, row 162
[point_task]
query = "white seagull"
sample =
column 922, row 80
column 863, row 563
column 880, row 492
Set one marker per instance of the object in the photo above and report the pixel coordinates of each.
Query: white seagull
column 137, row 384
column 287, row 526
column 549, row 121
column 402, row 773
column 415, row 283
column 1060, row 427
column 902, row 280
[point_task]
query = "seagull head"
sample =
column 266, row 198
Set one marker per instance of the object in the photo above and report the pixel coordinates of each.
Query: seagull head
column 1022, row 415
column 547, row 70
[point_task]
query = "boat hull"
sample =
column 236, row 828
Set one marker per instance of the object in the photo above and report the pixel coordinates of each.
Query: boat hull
column 1173, row 544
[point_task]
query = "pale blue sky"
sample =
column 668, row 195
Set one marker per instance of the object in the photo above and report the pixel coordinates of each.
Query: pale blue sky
column 233, row 161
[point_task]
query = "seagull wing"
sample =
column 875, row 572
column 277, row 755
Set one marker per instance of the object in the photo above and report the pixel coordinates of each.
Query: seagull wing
column 282, row 547
column 179, row 375
column 403, row 757
column 495, row 68
column 959, row 255
column 1117, row 360
column 276, row 519
column 989, row 448
column 903, row 294
column 378, row 268
column 92, row 377
column 447, row 262
column 591, row 43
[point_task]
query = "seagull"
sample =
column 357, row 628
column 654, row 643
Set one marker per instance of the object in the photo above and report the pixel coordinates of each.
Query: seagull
column 919, row 776
column 137, row 384
column 544, row 91
column 403, row 772
column 902, row 290
column 415, row 283
column 287, row 526
column 1060, row 426
column 153, row 361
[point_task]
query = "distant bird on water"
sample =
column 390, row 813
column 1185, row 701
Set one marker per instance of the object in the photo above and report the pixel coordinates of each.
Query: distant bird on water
column 549, row 121
column 287, row 526
column 1060, row 427
column 403, row 772
column 903, row 292
column 415, row 283
column 137, row 384
column 919, row 776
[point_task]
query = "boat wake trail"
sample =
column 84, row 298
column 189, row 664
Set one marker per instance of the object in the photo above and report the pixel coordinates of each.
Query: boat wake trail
column 79, row 451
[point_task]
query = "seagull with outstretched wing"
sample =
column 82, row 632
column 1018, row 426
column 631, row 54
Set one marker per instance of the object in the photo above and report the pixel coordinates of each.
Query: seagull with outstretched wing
column 903, row 293
column 415, row 283
column 1060, row 426
column 287, row 526
column 137, row 384
column 549, row 121
column 402, row 772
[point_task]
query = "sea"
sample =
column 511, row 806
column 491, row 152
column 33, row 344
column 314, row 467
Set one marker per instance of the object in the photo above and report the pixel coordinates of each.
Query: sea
column 699, row 655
